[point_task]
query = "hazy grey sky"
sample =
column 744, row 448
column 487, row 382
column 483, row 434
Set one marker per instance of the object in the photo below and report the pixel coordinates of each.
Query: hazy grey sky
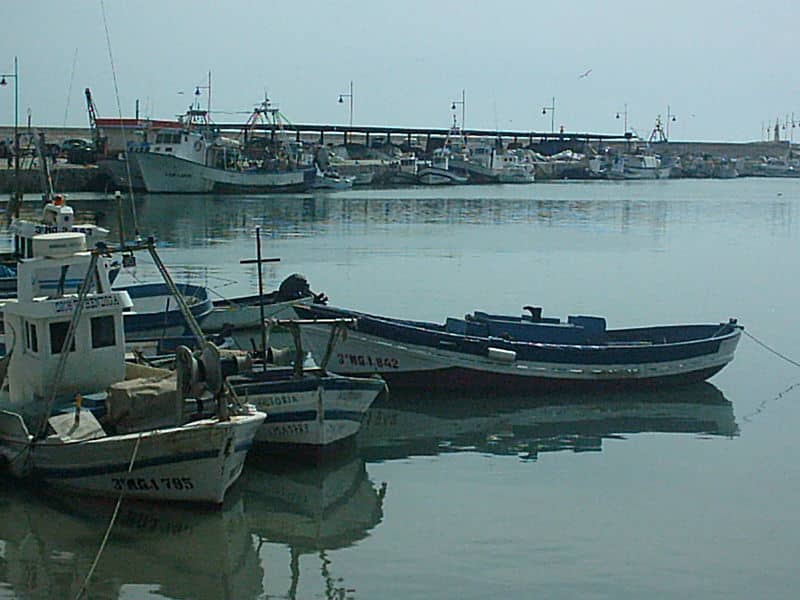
column 724, row 68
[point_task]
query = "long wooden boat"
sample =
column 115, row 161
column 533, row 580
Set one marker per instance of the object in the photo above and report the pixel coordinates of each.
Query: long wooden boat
column 522, row 353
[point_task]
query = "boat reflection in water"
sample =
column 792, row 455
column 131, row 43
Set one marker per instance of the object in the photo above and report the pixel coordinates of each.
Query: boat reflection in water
column 312, row 510
column 48, row 544
column 409, row 423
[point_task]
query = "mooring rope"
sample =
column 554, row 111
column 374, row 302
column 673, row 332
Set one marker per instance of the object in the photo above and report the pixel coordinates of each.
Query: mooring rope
column 769, row 349
column 763, row 404
column 110, row 525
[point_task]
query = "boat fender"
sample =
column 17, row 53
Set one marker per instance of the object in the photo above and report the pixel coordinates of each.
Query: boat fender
column 198, row 145
column 501, row 355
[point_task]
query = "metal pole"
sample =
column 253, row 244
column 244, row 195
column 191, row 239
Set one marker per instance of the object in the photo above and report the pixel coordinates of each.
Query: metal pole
column 463, row 107
column 553, row 116
column 261, row 294
column 17, row 186
column 351, row 103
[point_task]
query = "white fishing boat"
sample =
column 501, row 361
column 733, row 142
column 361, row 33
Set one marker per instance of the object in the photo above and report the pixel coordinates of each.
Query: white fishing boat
column 243, row 315
column 193, row 157
column 56, row 216
column 332, row 180
column 67, row 344
column 311, row 412
column 438, row 172
column 639, row 165
column 449, row 164
column 405, row 169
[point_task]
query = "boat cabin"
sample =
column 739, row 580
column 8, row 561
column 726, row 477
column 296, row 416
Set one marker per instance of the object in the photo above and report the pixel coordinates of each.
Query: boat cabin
column 57, row 217
column 38, row 320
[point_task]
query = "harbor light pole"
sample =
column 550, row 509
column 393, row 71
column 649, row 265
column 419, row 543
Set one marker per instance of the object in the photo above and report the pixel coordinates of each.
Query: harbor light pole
column 552, row 109
column 463, row 104
column 4, row 82
column 624, row 114
column 670, row 117
column 350, row 97
column 197, row 95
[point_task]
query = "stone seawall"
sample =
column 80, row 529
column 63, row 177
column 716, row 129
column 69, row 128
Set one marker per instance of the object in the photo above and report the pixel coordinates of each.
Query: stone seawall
column 66, row 178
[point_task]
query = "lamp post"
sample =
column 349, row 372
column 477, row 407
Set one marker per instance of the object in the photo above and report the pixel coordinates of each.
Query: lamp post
column 552, row 109
column 350, row 97
column 670, row 117
column 624, row 114
column 3, row 83
column 197, row 94
column 463, row 103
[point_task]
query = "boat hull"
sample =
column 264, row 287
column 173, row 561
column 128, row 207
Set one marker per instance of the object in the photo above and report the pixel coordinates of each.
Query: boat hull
column 156, row 313
column 164, row 173
column 492, row 365
column 312, row 413
column 439, row 176
column 194, row 463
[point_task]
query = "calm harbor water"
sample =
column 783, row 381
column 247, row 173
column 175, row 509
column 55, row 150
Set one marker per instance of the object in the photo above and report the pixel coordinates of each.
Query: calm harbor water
column 688, row 492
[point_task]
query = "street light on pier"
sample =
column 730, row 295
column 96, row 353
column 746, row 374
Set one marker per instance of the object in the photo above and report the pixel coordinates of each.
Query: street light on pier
column 670, row 117
column 197, row 93
column 350, row 97
column 463, row 103
column 552, row 109
column 624, row 114
column 4, row 82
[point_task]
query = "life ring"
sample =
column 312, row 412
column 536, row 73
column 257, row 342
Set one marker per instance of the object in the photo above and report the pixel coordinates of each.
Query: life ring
column 198, row 145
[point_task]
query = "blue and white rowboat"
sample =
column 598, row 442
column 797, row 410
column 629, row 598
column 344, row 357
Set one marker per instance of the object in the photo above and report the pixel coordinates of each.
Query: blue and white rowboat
column 521, row 353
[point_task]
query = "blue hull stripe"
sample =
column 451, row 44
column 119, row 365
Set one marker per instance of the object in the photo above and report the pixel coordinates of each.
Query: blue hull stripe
column 78, row 472
column 311, row 415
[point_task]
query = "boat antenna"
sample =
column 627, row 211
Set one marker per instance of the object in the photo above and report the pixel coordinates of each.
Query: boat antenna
column 119, row 110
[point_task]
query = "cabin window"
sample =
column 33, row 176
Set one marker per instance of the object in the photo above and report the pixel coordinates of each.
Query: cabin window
column 58, row 334
column 31, row 337
column 28, row 248
column 103, row 332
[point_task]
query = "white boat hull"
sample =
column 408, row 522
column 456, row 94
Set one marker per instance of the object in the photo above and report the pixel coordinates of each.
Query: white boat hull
column 363, row 354
column 194, row 463
column 438, row 176
column 163, row 173
column 248, row 316
column 315, row 417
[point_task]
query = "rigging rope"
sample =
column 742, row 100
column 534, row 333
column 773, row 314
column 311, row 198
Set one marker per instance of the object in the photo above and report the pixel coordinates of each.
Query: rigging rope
column 119, row 110
column 56, row 173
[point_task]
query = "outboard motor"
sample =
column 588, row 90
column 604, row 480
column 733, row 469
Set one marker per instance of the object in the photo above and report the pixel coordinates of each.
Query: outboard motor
column 294, row 287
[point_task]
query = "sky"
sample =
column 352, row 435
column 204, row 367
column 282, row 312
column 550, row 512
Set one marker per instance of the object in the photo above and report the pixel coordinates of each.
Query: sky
column 725, row 70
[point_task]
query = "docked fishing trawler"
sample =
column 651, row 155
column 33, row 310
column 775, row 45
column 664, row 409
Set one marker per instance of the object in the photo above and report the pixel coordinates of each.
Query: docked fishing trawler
column 193, row 157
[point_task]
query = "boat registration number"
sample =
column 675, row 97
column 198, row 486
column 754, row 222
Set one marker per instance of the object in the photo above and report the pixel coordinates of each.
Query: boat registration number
column 135, row 484
column 365, row 360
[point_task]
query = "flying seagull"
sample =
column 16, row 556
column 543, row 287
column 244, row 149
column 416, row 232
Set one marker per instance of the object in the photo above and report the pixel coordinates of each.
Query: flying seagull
column 584, row 74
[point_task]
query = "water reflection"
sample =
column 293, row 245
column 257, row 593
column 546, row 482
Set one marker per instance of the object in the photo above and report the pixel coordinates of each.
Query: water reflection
column 189, row 221
column 406, row 424
column 47, row 544
column 312, row 510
